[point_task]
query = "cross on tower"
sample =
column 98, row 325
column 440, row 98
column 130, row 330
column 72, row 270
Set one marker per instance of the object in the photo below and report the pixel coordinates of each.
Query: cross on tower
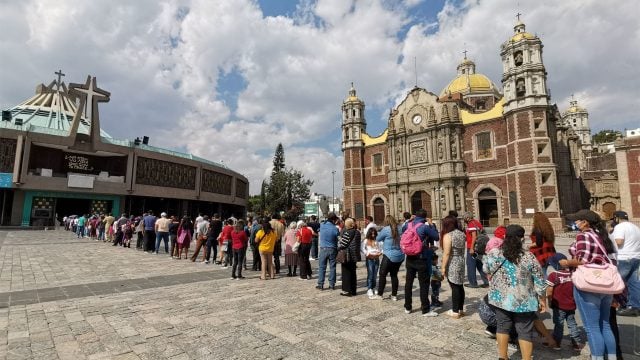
column 60, row 75
column 465, row 54
column 518, row 16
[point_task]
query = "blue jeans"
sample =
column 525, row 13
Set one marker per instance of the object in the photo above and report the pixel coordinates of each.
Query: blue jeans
column 630, row 273
column 472, row 265
column 327, row 253
column 372, row 271
column 559, row 317
column 162, row 236
column 594, row 312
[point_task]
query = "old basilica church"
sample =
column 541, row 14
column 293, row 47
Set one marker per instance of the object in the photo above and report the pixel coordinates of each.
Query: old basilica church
column 502, row 156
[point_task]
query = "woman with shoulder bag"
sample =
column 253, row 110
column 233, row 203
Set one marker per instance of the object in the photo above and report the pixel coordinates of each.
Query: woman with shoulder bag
column 592, row 246
column 516, row 291
column 350, row 245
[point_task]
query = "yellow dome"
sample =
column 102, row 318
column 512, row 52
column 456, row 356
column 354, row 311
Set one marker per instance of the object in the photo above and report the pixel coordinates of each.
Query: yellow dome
column 468, row 83
column 522, row 36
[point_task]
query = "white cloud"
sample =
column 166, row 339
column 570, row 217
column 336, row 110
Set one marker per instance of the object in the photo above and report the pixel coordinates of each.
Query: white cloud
column 162, row 62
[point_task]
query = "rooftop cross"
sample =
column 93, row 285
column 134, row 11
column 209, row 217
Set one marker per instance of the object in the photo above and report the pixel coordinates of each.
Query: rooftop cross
column 518, row 16
column 60, row 75
column 465, row 54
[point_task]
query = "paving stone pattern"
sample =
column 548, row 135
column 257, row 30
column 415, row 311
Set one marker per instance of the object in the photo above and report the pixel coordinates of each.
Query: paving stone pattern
column 68, row 298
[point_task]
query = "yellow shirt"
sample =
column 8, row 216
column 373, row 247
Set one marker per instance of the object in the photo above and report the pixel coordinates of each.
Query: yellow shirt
column 268, row 242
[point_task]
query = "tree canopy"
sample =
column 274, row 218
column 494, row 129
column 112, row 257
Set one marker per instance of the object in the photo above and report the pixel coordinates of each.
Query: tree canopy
column 286, row 191
column 606, row 136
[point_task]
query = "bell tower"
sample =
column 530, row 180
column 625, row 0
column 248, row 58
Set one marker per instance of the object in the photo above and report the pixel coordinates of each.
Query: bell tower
column 524, row 78
column 353, row 122
column 532, row 176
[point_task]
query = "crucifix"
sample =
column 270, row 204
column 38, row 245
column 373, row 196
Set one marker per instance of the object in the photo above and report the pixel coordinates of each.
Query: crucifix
column 518, row 16
column 465, row 54
column 60, row 75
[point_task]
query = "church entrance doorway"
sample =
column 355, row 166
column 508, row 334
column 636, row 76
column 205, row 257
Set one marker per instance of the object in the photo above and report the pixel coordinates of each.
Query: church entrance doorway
column 378, row 211
column 488, row 208
column 608, row 209
column 421, row 200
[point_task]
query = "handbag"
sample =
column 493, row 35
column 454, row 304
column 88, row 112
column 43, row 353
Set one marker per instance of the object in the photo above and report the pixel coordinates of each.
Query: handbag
column 295, row 246
column 596, row 278
column 343, row 256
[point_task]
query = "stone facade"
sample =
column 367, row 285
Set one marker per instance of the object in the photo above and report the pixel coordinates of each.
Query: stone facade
column 501, row 156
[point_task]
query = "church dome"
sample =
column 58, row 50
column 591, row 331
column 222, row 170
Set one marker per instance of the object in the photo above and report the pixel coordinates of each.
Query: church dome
column 468, row 83
column 520, row 33
column 574, row 108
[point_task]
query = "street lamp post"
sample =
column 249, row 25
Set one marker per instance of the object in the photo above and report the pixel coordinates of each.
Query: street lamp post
column 333, row 196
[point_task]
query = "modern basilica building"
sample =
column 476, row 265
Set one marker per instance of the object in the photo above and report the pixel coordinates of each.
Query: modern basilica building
column 502, row 155
column 56, row 161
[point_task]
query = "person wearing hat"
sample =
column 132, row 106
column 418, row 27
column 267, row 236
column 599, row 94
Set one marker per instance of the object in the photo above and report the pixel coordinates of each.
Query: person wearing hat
column 516, row 291
column 594, row 308
column 162, row 232
column 627, row 236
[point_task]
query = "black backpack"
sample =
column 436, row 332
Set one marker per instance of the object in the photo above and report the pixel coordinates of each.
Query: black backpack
column 480, row 246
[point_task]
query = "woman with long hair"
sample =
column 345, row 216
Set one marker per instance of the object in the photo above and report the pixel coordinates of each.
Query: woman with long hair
column 594, row 308
column 184, row 236
column 371, row 251
column 453, row 242
column 516, row 291
column 542, row 240
column 266, row 240
column 392, row 256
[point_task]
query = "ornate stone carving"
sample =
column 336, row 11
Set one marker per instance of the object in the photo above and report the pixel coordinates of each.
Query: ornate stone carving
column 7, row 154
column 454, row 147
column 418, row 151
column 163, row 173
column 398, row 157
column 456, row 196
column 440, row 150
column 215, row 182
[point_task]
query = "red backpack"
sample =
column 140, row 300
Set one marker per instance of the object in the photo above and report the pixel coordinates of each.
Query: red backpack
column 410, row 242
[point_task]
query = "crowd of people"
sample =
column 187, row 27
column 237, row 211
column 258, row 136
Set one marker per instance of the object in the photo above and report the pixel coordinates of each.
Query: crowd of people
column 515, row 271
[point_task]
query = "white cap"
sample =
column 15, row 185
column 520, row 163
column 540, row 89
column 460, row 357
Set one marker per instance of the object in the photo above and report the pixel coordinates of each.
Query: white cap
column 164, row 214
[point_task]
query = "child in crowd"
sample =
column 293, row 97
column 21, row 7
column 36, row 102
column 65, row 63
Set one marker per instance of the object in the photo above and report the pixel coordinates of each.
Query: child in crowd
column 436, row 282
column 372, row 252
column 560, row 296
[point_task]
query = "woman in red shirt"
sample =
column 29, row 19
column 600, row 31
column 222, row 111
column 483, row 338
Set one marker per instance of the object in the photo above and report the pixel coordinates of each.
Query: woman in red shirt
column 542, row 240
column 239, row 245
column 225, row 243
column 304, row 235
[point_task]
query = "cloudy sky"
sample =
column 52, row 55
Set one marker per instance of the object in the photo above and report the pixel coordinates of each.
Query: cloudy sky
column 229, row 80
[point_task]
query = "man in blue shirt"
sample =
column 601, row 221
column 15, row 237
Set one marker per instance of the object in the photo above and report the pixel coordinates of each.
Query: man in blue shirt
column 328, row 249
column 420, row 265
column 149, row 231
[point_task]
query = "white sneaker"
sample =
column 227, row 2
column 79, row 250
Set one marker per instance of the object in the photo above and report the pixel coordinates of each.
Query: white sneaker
column 407, row 311
column 394, row 298
column 430, row 314
column 375, row 297
column 370, row 293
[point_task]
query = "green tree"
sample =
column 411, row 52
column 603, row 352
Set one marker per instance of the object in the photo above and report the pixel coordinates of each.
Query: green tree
column 287, row 189
column 606, row 136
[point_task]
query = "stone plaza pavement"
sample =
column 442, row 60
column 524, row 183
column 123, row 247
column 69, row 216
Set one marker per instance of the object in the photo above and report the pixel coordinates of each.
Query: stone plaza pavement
column 68, row 298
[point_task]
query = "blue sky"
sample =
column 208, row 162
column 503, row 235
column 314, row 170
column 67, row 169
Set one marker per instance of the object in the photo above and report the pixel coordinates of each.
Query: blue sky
column 229, row 80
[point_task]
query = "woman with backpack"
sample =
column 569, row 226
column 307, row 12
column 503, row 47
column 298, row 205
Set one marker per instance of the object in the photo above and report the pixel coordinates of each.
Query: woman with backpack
column 453, row 243
column 593, row 246
column 517, row 291
column 350, row 243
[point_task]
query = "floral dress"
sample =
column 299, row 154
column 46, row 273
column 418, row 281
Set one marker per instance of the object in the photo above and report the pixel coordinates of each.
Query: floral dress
column 455, row 268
